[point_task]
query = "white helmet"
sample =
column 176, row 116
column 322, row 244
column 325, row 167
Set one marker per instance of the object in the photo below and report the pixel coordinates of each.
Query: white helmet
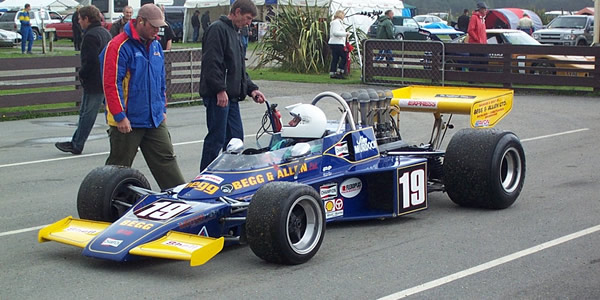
column 308, row 123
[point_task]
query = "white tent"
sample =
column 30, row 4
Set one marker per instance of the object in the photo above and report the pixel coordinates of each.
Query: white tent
column 354, row 7
column 57, row 5
column 351, row 7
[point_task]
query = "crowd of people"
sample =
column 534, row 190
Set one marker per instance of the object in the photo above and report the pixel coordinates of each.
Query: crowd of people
column 134, row 89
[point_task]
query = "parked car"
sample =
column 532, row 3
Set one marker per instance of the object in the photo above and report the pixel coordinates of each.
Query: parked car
column 428, row 19
column 518, row 37
column 10, row 21
column 9, row 38
column 64, row 29
column 567, row 30
column 404, row 28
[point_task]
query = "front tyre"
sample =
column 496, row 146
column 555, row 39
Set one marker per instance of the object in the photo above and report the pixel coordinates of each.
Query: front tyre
column 285, row 223
column 104, row 194
column 484, row 168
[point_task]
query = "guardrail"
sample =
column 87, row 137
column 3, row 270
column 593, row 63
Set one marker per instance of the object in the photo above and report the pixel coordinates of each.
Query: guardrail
column 512, row 66
column 54, row 79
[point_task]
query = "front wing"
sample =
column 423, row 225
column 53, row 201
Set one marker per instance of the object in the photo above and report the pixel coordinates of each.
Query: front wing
column 173, row 245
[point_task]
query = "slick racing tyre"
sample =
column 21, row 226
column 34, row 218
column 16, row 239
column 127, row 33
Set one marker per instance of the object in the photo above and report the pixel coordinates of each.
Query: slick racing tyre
column 104, row 194
column 285, row 223
column 484, row 168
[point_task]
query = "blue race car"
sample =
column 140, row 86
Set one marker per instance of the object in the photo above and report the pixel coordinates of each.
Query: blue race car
column 315, row 170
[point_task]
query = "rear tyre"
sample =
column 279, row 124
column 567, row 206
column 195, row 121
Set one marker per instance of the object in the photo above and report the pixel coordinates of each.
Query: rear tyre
column 399, row 36
column 484, row 168
column 104, row 194
column 285, row 223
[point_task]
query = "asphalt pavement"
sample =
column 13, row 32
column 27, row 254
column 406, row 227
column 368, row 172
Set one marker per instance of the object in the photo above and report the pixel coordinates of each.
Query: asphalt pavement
column 543, row 247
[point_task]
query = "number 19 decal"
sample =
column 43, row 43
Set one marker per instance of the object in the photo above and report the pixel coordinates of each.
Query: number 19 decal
column 162, row 210
column 412, row 188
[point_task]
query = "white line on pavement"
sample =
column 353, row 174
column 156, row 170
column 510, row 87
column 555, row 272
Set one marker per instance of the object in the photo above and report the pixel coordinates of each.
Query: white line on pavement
column 22, row 230
column 554, row 134
column 88, row 155
column 488, row 265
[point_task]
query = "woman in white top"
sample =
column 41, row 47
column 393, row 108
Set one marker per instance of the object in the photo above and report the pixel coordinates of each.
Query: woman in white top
column 337, row 42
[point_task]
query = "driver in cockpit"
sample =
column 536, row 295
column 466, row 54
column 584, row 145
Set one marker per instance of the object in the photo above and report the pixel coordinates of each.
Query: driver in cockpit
column 308, row 123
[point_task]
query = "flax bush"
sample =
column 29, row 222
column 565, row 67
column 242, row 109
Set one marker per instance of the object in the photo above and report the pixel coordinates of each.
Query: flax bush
column 297, row 39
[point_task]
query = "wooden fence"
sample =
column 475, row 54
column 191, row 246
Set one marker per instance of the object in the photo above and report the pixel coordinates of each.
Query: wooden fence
column 54, row 79
column 512, row 66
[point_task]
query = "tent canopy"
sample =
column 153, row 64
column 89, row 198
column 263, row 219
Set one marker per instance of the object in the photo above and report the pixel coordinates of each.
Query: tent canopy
column 59, row 5
column 509, row 18
column 586, row 11
column 353, row 8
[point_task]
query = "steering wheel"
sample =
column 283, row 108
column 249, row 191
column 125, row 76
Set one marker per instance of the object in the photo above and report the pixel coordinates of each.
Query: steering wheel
column 346, row 114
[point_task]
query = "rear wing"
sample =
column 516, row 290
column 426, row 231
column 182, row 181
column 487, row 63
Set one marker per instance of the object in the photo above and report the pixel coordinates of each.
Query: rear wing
column 486, row 106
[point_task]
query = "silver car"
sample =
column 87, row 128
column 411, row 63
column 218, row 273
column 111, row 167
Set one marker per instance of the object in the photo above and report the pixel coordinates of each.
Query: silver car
column 9, row 38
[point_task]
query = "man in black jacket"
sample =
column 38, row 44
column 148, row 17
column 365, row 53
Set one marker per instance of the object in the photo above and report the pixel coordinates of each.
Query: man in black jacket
column 223, row 79
column 205, row 20
column 196, row 26
column 94, row 40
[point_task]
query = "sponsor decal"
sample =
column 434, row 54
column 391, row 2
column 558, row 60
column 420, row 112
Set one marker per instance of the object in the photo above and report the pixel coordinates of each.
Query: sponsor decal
column 334, row 208
column 197, row 220
column 81, row 230
column 455, row 96
column 341, row 149
column 203, row 232
column 364, row 145
column 482, row 123
column 328, row 191
column 124, row 232
column 183, row 246
column 351, row 187
column 410, row 103
column 111, row 242
column 203, row 186
column 210, row 177
column 227, row 188
column 137, row 224
column 327, row 168
column 277, row 173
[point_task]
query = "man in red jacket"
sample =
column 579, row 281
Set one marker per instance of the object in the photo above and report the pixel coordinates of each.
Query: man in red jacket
column 476, row 29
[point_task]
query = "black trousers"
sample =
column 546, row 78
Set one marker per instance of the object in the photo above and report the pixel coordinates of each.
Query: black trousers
column 338, row 57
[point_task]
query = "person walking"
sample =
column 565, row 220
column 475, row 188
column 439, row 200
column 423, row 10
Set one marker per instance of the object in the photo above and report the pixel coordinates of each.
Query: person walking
column 224, row 80
column 463, row 21
column 205, row 21
column 94, row 40
column 24, row 17
column 385, row 31
column 196, row 26
column 476, row 30
column 133, row 73
column 337, row 42
column 165, row 33
column 77, row 31
column 526, row 24
column 118, row 25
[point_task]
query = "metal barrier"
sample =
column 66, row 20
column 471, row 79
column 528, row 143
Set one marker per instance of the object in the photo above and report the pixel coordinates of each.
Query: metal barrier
column 513, row 66
column 400, row 62
column 183, row 74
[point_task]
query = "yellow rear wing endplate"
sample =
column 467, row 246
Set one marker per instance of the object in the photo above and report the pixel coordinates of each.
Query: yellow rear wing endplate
column 182, row 246
column 486, row 106
column 74, row 232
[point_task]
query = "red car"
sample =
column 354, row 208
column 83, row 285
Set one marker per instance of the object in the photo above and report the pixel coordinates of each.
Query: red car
column 64, row 29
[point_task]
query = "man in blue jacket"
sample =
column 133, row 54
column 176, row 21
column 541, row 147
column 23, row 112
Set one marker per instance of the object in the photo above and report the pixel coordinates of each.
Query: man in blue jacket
column 223, row 79
column 26, row 33
column 133, row 73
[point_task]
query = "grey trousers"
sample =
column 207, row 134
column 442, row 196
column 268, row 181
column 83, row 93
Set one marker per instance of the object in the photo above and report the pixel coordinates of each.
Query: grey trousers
column 156, row 147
